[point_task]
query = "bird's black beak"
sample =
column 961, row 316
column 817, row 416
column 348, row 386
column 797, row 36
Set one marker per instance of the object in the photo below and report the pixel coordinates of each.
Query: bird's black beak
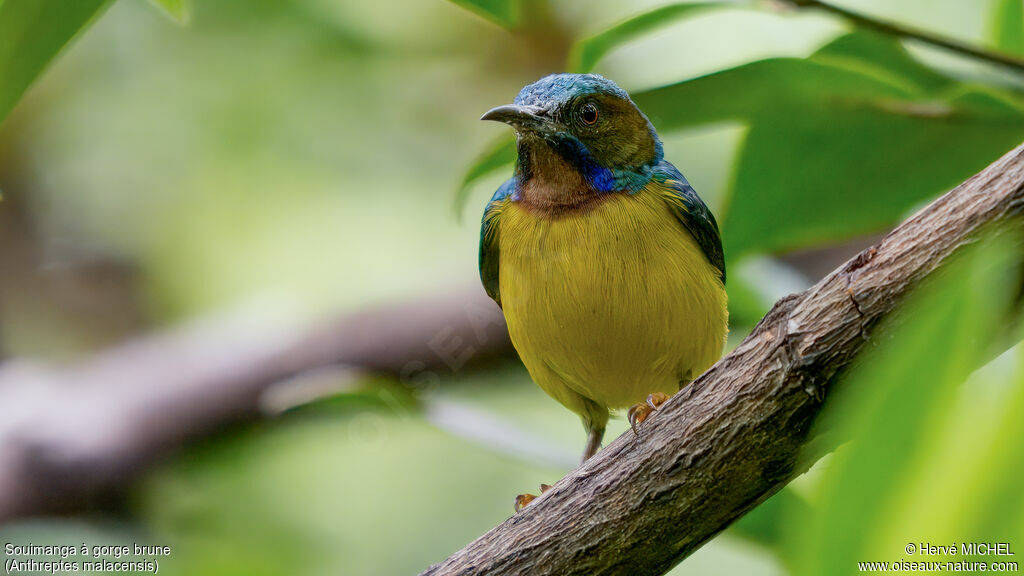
column 521, row 118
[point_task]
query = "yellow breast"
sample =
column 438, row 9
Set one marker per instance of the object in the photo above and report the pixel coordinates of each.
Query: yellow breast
column 609, row 304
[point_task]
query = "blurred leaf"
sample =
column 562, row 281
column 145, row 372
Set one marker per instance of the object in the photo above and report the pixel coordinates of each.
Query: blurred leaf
column 876, row 54
column 176, row 9
column 502, row 12
column 842, row 173
column 764, row 524
column 897, row 395
column 588, row 51
column 1007, row 26
column 746, row 305
column 840, row 144
column 1004, row 467
column 500, row 153
column 32, row 32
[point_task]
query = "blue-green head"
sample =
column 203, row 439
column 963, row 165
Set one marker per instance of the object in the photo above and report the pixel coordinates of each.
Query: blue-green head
column 584, row 123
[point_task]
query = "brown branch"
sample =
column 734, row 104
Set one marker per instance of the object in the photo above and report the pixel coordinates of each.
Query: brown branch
column 734, row 437
column 892, row 29
column 72, row 436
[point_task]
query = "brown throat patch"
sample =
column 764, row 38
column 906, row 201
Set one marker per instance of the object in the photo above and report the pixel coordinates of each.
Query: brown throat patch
column 557, row 189
column 560, row 206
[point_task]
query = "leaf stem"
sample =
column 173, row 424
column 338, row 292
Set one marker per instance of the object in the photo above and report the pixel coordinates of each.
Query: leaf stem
column 991, row 56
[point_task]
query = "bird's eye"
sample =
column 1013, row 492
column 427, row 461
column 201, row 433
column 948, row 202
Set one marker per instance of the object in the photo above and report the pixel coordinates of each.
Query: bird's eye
column 588, row 113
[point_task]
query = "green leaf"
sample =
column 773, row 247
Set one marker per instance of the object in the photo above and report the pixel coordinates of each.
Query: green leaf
column 764, row 524
column 839, row 144
column 499, row 154
column 587, row 52
column 1007, row 26
column 32, row 32
column 751, row 90
column 879, row 55
column 504, row 13
column 177, row 10
column 1001, row 504
column 833, row 172
column 893, row 407
column 746, row 305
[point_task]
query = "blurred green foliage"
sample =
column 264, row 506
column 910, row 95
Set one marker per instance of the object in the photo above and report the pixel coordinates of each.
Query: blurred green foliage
column 1008, row 26
column 32, row 32
column 929, row 458
column 586, row 52
column 501, row 12
column 796, row 184
column 302, row 154
column 176, row 9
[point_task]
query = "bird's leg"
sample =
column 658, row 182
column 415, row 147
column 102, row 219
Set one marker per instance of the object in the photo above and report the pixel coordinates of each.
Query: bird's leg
column 594, row 437
column 595, row 418
column 640, row 412
column 523, row 500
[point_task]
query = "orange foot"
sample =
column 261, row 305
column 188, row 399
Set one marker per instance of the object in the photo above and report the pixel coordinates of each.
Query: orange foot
column 640, row 412
column 523, row 500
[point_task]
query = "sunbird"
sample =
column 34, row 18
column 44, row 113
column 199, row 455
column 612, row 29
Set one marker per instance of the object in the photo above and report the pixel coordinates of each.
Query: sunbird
column 605, row 262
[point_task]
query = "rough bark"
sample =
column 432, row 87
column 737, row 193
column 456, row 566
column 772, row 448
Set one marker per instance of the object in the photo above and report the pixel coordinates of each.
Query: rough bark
column 734, row 436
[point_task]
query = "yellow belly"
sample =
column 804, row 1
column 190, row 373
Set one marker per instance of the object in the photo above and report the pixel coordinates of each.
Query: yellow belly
column 610, row 304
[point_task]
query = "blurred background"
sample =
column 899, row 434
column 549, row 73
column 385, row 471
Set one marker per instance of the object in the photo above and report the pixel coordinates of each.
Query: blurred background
column 234, row 172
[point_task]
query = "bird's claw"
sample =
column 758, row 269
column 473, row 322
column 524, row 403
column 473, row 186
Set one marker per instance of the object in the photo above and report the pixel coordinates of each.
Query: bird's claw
column 640, row 412
column 523, row 500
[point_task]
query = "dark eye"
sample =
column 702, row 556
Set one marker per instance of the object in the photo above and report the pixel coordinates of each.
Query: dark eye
column 588, row 113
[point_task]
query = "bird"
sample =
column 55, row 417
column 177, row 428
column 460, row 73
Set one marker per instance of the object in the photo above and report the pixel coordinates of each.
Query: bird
column 606, row 264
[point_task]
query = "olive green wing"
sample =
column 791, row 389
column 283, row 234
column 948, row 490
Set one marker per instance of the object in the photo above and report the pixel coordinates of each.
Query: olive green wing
column 691, row 212
column 490, row 227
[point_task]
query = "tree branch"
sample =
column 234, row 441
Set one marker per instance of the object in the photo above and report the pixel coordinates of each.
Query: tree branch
column 890, row 28
column 73, row 436
column 734, row 436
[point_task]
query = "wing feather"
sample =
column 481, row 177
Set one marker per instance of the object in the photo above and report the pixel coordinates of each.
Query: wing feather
column 691, row 212
column 489, row 230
